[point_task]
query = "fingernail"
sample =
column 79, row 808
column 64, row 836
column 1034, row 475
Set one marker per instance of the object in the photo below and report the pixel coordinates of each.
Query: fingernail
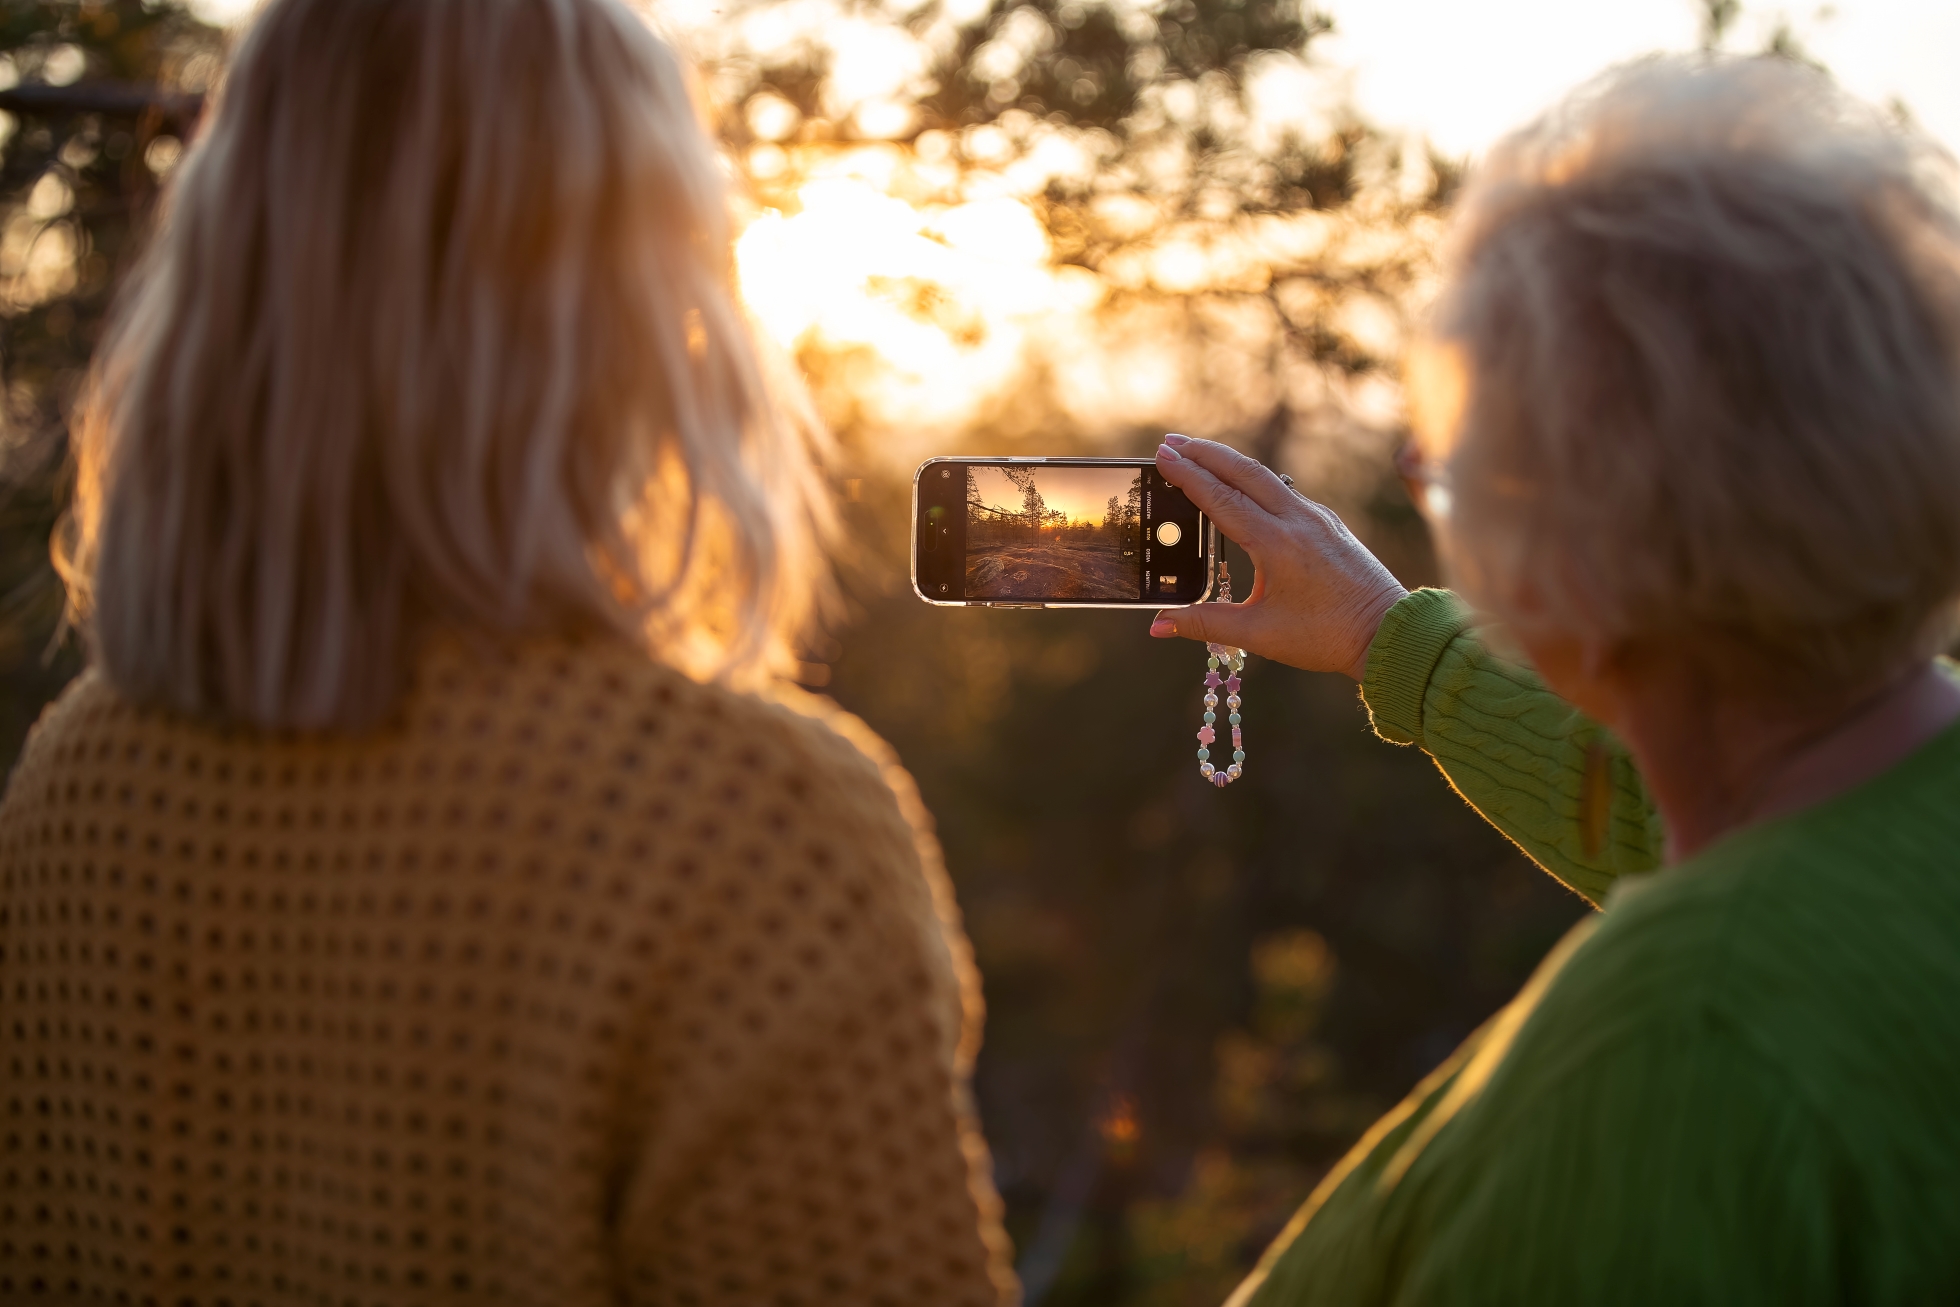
column 1163, row 626
column 1167, row 454
column 1177, row 440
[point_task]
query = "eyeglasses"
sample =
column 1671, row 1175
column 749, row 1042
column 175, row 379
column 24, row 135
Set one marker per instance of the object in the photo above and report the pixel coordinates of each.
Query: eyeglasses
column 1426, row 481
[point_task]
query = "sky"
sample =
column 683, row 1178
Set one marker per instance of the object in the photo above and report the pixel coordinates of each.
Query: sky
column 1463, row 73
column 1081, row 492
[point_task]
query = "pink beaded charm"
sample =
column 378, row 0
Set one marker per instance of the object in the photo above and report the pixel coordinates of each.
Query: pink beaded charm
column 1233, row 662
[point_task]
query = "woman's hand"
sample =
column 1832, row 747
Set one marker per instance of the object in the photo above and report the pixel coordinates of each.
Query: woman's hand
column 1318, row 595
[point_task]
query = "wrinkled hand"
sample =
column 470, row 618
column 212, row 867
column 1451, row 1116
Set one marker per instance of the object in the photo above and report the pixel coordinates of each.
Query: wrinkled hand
column 1318, row 595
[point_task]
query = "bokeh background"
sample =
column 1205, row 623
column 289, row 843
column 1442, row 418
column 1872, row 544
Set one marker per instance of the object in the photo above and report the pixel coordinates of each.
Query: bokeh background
column 1047, row 226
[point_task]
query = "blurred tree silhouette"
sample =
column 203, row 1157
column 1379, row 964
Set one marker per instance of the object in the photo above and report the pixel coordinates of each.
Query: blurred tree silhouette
column 1162, row 96
column 96, row 95
column 1094, row 65
column 1233, row 218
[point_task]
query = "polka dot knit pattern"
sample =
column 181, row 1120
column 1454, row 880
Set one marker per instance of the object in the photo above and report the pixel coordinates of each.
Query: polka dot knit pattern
column 582, row 983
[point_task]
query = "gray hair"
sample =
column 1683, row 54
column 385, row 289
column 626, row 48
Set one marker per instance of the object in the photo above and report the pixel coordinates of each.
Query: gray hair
column 439, row 330
column 1707, row 313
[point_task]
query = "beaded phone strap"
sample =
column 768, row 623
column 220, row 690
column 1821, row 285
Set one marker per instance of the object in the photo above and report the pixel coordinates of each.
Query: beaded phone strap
column 1232, row 661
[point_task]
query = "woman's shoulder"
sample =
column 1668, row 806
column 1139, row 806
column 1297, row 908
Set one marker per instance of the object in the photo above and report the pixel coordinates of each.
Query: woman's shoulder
column 1826, row 953
column 85, row 719
column 1820, row 901
column 591, row 722
column 615, row 709
column 625, row 744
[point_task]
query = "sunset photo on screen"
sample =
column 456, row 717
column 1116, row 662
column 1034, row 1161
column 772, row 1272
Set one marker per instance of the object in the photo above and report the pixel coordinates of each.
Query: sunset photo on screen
column 1041, row 533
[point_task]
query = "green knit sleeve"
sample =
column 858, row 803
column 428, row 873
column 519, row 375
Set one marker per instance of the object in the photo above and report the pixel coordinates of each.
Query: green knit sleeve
column 1539, row 770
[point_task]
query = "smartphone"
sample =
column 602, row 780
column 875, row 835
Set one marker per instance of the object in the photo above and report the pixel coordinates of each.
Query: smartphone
column 1057, row 533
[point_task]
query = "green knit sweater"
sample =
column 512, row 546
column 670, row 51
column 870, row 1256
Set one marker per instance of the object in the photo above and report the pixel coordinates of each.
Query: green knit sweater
column 1738, row 1084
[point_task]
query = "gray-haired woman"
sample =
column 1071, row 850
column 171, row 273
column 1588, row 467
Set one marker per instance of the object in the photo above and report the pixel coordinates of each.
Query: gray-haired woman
column 1692, row 402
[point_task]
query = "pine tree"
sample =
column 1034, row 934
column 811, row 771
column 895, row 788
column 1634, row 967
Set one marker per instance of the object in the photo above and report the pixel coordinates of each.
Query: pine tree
column 1034, row 509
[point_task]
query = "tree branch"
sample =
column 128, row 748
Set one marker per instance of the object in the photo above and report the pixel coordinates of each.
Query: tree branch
column 112, row 99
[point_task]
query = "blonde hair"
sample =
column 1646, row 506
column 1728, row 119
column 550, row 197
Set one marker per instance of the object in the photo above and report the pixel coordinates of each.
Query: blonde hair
column 439, row 329
column 1708, row 318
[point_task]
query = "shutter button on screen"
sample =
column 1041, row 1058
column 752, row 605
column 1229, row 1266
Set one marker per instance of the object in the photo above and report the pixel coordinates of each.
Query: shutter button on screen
column 1169, row 534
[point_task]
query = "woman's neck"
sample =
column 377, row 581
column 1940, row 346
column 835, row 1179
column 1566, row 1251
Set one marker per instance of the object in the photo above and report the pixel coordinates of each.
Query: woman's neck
column 1716, row 763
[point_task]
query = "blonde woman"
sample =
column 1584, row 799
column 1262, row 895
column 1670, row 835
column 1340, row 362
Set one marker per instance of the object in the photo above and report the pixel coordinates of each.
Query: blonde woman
column 1693, row 416
column 409, row 906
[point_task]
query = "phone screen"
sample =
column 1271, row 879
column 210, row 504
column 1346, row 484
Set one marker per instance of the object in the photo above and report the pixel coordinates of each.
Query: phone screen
column 1053, row 532
column 1090, row 532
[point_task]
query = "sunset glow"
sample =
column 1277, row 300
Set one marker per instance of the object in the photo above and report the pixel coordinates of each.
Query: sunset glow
column 943, row 295
column 1081, row 492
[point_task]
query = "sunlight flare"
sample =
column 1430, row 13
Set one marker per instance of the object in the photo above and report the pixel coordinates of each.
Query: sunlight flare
column 945, row 296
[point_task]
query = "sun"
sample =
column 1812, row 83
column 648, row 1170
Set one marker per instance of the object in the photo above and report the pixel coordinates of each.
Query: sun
column 942, row 295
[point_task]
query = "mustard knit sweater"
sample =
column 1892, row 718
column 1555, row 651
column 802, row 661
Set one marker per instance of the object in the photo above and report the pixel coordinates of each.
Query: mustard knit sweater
column 581, row 984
